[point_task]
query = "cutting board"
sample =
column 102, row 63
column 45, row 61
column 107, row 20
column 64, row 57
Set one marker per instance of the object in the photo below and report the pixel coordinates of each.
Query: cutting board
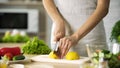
column 45, row 58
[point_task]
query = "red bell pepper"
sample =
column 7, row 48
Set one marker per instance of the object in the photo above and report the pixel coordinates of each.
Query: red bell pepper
column 14, row 50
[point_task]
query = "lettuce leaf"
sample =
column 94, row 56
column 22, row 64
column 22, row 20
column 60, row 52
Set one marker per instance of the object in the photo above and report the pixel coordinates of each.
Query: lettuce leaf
column 36, row 46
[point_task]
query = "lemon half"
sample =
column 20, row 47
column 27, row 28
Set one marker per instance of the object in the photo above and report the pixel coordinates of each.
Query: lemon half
column 72, row 56
column 53, row 55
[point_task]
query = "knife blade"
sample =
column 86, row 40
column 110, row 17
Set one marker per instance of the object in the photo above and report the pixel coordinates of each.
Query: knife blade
column 56, row 49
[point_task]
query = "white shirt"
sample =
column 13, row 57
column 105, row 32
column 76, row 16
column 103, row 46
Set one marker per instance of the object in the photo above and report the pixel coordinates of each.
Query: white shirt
column 76, row 12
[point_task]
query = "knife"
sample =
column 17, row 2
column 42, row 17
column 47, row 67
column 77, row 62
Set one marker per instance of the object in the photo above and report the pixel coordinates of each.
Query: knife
column 56, row 49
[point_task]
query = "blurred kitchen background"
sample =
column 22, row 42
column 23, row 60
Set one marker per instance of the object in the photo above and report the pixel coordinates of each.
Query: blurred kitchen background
column 36, row 22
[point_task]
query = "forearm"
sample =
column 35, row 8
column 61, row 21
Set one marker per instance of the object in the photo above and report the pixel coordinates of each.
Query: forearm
column 100, row 12
column 52, row 11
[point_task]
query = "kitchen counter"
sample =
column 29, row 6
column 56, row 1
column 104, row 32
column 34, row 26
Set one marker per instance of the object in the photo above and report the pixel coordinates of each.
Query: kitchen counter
column 50, row 65
column 34, row 64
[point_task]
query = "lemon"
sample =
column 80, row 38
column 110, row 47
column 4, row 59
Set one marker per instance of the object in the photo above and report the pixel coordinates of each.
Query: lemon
column 53, row 55
column 72, row 56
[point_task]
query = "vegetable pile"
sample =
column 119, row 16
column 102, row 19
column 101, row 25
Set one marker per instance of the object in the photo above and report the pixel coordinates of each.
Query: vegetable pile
column 35, row 46
column 15, row 37
column 115, row 33
column 113, row 59
column 11, row 53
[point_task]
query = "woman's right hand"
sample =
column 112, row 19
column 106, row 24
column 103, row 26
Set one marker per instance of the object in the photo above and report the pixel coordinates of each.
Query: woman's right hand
column 59, row 30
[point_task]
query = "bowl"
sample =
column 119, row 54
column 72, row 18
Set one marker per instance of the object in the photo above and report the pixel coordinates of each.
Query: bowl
column 93, row 47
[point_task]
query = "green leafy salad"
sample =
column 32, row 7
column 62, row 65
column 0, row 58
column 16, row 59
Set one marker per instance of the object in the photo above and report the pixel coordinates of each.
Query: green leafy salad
column 36, row 46
column 113, row 59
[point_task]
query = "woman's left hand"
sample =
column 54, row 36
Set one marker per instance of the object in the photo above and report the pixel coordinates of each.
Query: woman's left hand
column 65, row 44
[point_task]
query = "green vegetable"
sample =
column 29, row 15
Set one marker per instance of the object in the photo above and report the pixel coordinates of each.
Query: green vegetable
column 36, row 46
column 0, row 39
column 15, row 39
column 8, row 38
column 101, row 54
column 19, row 38
column 115, row 32
column 95, row 54
column 113, row 59
column 95, row 60
column 19, row 57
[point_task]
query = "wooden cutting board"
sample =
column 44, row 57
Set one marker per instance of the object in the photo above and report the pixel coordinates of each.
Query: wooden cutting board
column 45, row 58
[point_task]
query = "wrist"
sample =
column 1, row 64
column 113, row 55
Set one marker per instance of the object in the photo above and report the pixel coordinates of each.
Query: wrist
column 59, row 21
column 75, row 36
column 60, row 24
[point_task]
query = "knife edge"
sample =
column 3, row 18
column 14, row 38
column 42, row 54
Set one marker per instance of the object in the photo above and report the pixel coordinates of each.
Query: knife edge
column 56, row 49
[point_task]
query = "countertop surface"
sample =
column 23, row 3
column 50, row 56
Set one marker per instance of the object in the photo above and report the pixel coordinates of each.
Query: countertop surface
column 38, row 64
column 49, row 65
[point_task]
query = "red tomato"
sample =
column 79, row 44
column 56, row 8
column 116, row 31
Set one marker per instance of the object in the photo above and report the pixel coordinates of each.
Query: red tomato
column 8, row 56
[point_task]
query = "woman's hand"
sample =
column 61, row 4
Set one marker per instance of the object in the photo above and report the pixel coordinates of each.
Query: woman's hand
column 66, row 43
column 59, row 31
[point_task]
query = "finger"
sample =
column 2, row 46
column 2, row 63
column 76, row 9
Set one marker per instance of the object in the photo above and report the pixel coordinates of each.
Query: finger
column 63, row 42
column 59, row 52
column 62, row 53
column 69, row 46
column 60, row 47
column 67, row 43
column 60, row 43
column 64, row 49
